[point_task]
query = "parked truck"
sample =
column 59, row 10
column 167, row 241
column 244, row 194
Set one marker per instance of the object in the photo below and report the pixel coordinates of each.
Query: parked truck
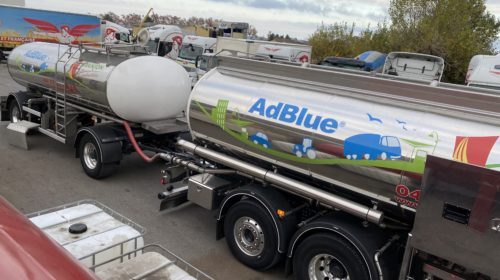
column 255, row 49
column 428, row 209
column 193, row 47
column 161, row 40
column 78, row 95
column 21, row 25
column 285, row 51
column 484, row 71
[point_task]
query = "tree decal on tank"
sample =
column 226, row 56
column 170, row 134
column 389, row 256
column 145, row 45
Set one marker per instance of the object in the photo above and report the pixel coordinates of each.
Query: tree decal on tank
column 219, row 113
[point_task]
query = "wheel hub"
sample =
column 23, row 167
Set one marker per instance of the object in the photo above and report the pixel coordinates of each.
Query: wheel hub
column 327, row 267
column 90, row 155
column 249, row 236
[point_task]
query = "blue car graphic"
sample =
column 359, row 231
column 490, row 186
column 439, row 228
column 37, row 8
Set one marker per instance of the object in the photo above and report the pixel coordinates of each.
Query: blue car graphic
column 260, row 138
column 372, row 147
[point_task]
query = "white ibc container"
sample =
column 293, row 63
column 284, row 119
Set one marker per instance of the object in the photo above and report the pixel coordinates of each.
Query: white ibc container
column 150, row 264
column 108, row 234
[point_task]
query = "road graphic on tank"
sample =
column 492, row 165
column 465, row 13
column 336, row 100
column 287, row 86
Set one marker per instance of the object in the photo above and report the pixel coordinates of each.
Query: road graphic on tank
column 41, row 65
column 368, row 149
column 392, row 158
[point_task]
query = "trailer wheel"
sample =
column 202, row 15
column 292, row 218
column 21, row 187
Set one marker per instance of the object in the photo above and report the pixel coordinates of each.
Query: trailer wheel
column 91, row 158
column 327, row 256
column 251, row 235
column 14, row 112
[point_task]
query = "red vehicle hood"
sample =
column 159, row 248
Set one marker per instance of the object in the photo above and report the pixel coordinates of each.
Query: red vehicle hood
column 27, row 253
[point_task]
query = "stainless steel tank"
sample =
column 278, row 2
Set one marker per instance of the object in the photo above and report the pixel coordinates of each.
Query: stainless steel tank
column 360, row 133
column 138, row 89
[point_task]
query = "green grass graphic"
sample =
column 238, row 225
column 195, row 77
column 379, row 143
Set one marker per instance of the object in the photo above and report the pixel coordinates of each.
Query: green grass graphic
column 415, row 166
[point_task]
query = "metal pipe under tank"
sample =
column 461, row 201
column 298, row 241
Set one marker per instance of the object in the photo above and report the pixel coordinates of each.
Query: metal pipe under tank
column 356, row 209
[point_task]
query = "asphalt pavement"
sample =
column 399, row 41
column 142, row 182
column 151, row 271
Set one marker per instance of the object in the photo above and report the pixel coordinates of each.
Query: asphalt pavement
column 49, row 175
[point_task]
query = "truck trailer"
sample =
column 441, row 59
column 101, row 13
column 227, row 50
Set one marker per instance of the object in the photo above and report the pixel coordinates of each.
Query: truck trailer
column 418, row 201
column 484, row 71
column 77, row 95
column 21, row 25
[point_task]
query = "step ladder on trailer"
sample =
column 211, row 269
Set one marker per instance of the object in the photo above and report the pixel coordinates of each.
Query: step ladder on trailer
column 17, row 132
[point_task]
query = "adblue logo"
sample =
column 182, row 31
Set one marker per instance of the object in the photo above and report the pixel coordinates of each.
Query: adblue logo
column 293, row 114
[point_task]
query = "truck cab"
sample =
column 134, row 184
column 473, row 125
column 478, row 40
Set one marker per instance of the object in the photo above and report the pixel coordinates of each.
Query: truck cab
column 112, row 32
column 484, row 71
column 192, row 48
column 162, row 40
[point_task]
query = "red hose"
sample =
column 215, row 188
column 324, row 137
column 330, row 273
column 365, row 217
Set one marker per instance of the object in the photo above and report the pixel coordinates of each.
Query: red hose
column 138, row 149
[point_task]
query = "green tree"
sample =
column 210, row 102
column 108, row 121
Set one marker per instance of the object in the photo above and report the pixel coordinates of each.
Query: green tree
column 333, row 40
column 110, row 16
column 453, row 29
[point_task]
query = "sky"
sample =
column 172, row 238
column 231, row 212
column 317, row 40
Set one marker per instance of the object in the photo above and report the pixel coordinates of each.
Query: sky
column 298, row 18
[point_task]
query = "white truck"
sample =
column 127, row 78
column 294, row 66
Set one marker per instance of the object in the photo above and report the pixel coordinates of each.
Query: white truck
column 285, row 52
column 162, row 40
column 264, row 50
column 192, row 48
column 484, row 71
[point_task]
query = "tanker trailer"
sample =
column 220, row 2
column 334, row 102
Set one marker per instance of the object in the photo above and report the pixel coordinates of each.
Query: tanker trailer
column 83, row 95
column 325, row 167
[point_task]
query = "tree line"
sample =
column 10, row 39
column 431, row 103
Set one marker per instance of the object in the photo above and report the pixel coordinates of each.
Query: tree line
column 132, row 20
column 453, row 29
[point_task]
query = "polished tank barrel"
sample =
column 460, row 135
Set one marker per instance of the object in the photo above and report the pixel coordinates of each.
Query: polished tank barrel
column 364, row 134
column 137, row 89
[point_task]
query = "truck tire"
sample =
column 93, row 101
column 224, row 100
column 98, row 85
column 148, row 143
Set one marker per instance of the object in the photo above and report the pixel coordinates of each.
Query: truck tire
column 251, row 235
column 15, row 114
column 91, row 158
column 328, row 256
